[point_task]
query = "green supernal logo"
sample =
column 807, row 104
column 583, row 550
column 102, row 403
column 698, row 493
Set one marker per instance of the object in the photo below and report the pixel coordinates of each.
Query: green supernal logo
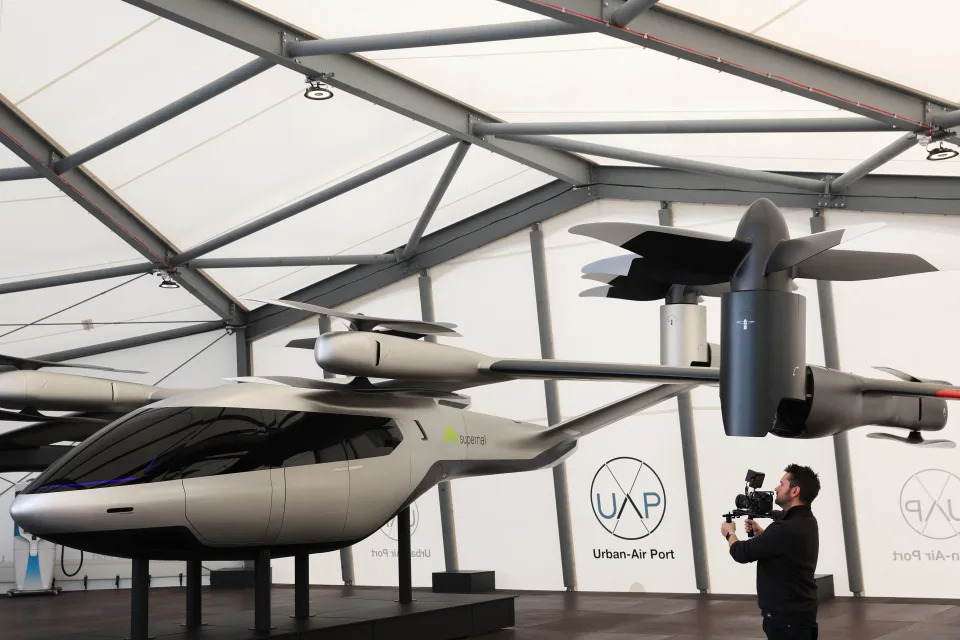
column 452, row 436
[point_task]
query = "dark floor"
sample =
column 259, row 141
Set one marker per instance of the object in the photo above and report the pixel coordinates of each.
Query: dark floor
column 540, row 616
column 594, row 616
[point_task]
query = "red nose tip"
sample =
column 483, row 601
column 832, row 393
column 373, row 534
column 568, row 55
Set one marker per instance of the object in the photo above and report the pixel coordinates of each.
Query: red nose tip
column 949, row 393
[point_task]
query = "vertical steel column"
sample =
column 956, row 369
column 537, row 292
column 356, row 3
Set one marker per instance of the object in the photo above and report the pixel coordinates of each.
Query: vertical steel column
column 301, row 586
column 841, row 441
column 560, row 492
column 261, row 594
column 404, row 561
column 139, row 599
column 346, row 554
column 448, row 527
column 243, row 370
column 691, row 465
column 194, row 600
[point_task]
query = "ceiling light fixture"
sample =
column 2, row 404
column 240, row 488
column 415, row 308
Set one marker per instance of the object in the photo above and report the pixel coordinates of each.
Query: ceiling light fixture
column 941, row 153
column 167, row 281
column 318, row 90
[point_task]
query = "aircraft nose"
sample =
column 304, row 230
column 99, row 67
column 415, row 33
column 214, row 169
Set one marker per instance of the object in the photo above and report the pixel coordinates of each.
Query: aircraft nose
column 22, row 514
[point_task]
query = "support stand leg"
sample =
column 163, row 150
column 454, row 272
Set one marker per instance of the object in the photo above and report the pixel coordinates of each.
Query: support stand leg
column 301, row 586
column 139, row 599
column 405, row 568
column 194, row 602
column 261, row 599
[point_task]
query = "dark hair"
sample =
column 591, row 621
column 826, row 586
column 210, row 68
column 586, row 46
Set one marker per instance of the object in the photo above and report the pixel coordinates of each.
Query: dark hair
column 806, row 479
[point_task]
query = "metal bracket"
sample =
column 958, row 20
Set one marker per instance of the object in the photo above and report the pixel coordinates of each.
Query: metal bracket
column 411, row 266
column 831, row 201
column 606, row 11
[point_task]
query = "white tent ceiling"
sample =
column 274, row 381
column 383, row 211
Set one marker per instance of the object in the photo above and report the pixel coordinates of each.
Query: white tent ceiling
column 81, row 71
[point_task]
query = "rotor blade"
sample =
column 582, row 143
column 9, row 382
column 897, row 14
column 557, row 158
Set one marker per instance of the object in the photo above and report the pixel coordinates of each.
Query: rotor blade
column 789, row 253
column 896, row 373
column 635, row 267
column 839, row 264
column 368, row 323
column 31, row 364
column 937, row 444
column 302, row 343
column 634, row 291
column 25, row 416
column 690, row 251
column 574, row 370
column 46, row 433
column 30, row 460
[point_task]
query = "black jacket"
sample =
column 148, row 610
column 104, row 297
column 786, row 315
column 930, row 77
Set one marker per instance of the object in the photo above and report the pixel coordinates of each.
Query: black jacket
column 786, row 556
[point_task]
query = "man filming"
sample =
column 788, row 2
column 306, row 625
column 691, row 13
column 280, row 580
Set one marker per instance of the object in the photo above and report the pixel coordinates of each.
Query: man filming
column 786, row 556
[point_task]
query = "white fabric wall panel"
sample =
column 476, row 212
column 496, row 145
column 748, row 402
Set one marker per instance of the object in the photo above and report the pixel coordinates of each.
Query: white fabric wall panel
column 908, row 498
column 208, row 369
column 507, row 522
column 615, row 331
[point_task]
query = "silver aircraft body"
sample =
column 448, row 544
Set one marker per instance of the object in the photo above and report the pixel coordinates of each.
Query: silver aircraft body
column 215, row 473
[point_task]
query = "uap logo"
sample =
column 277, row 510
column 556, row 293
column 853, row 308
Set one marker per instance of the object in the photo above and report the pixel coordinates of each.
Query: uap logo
column 930, row 503
column 390, row 529
column 628, row 498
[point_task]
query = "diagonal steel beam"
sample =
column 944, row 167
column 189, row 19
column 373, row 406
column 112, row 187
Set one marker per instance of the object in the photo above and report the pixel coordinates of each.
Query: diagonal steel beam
column 434, row 38
column 158, row 117
column 444, row 244
column 289, row 261
column 314, row 199
column 451, row 170
column 657, row 160
column 947, row 120
column 74, row 278
column 630, row 10
column 725, row 49
column 268, row 37
column 18, row 173
column 734, row 125
column 34, row 147
column 878, row 159
column 136, row 341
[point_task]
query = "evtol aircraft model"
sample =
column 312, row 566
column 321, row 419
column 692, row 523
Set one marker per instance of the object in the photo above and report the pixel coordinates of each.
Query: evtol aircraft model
column 295, row 465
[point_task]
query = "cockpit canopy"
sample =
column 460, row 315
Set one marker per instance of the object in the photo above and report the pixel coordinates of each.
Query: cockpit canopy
column 170, row 443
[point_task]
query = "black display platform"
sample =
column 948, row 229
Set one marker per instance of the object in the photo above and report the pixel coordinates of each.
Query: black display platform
column 825, row 590
column 232, row 578
column 358, row 614
column 464, row 581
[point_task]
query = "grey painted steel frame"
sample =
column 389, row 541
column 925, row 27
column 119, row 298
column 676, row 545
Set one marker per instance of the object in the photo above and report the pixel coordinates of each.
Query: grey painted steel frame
column 551, row 393
column 723, row 48
column 841, row 441
column 448, row 528
column 32, row 146
column 902, row 194
column 267, row 37
column 136, row 341
column 449, row 242
column 691, row 467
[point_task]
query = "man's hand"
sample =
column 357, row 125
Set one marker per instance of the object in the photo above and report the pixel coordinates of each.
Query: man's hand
column 752, row 527
column 728, row 527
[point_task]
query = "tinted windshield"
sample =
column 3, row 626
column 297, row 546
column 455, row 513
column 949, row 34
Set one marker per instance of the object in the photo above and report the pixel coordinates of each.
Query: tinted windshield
column 192, row 442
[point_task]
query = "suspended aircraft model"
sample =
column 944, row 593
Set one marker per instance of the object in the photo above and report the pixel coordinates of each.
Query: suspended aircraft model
column 766, row 386
column 303, row 465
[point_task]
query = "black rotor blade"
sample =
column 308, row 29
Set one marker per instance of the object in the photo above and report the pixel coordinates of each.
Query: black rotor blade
column 840, row 264
column 684, row 250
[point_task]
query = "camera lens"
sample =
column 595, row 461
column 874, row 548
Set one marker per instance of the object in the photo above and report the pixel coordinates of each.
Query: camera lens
column 742, row 501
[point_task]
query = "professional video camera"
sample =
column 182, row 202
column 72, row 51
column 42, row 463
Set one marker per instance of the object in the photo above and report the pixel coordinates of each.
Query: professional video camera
column 752, row 503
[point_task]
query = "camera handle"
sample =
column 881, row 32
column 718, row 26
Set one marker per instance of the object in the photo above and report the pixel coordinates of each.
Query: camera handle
column 736, row 514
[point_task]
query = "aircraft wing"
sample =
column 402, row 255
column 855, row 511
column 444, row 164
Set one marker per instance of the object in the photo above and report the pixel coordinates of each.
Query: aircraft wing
column 35, row 447
column 574, row 370
column 590, row 421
